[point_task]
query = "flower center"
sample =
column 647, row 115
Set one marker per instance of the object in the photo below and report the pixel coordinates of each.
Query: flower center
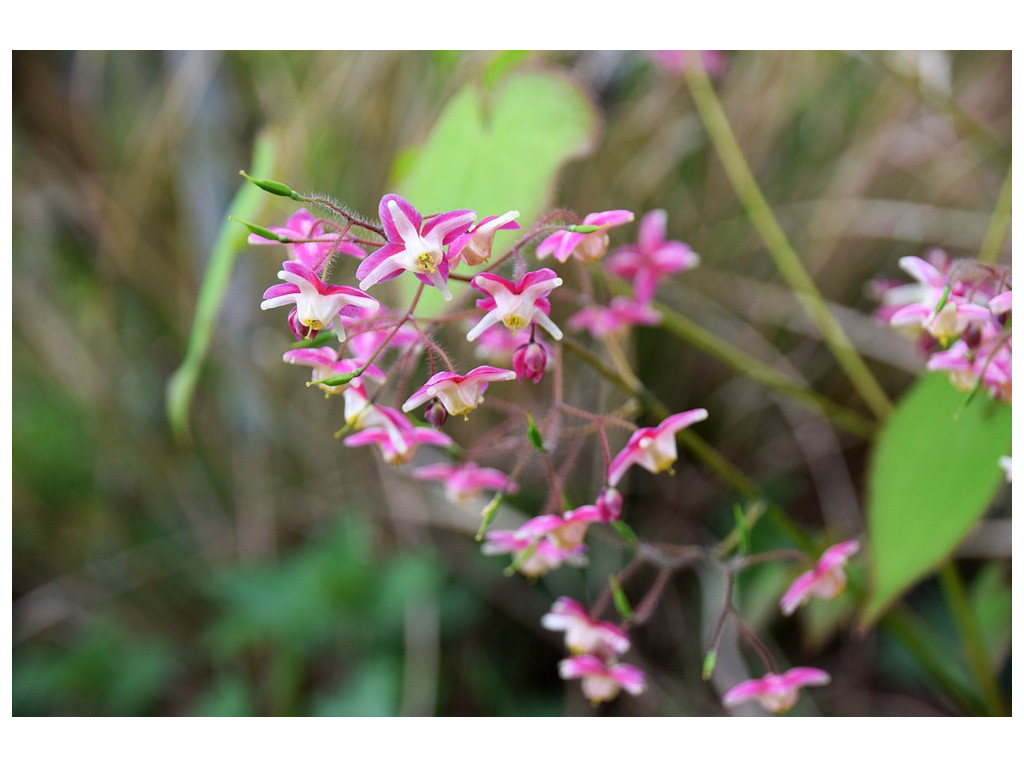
column 313, row 323
column 514, row 322
column 427, row 262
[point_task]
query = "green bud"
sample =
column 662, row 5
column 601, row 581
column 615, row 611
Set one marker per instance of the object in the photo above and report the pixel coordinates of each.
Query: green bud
column 619, row 598
column 709, row 664
column 256, row 229
column 583, row 229
column 273, row 187
column 534, row 434
column 488, row 514
column 625, row 532
column 341, row 378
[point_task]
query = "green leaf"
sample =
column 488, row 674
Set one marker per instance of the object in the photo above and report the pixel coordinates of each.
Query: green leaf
column 991, row 601
column 933, row 474
column 533, row 433
column 620, row 599
column 625, row 532
column 499, row 150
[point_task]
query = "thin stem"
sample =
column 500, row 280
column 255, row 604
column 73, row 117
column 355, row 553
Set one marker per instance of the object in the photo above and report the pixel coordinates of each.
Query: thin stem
column 767, row 557
column 1000, row 224
column 970, row 636
column 716, row 637
column 756, row 644
column 786, row 259
column 325, row 203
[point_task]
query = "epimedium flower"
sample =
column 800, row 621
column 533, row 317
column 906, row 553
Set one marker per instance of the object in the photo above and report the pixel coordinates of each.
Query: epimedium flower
column 474, row 246
column 621, row 315
column 565, row 531
column 776, row 693
column 458, row 394
column 600, row 680
column 652, row 257
column 534, row 557
column 583, row 634
column 516, row 305
column 465, row 482
column 317, row 304
column 303, row 225
column 325, row 364
column 653, row 448
column 588, row 246
column 396, row 438
column 826, row 580
column 414, row 244
column 529, row 361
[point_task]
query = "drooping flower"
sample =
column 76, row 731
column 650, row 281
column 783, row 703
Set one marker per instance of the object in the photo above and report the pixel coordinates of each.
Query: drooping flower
column 534, row 557
column 653, row 448
column 474, row 247
column 516, row 305
column 317, row 304
column 652, row 257
column 621, row 315
column 565, row 531
column 827, row 580
column 584, row 635
column 602, row 681
column 776, row 693
column 584, row 246
column 414, row 244
column 325, row 364
column 943, row 311
column 530, row 361
column 397, row 439
column 303, row 225
column 458, row 394
column 465, row 482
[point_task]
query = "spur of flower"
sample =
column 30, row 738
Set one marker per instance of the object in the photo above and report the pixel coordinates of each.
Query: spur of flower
column 653, row 448
column 776, row 693
column 474, row 246
column 583, row 634
column 465, row 482
column 602, row 681
column 826, row 580
column 317, row 304
column 589, row 246
column 652, row 257
column 516, row 305
column 414, row 244
column 303, row 225
column 458, row 394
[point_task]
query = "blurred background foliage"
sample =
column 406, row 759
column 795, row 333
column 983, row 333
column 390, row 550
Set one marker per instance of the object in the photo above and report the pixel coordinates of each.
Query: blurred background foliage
column 261, row 568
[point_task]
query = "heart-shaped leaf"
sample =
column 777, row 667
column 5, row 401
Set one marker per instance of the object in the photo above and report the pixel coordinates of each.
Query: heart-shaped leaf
column 933, row 474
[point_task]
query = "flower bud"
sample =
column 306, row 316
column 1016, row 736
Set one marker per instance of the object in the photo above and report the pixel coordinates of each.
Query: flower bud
column 609, row 503
column 435, row 414
column 529, row 361
column 972, row 336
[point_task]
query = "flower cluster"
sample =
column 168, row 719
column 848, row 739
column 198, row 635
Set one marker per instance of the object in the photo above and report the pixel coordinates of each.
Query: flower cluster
column 962, row 312
column 595, row 647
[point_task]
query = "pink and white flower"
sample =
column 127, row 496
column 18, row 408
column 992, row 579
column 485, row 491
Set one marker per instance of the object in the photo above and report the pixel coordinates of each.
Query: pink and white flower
column 826, row 581
column 325, row 364
column 458, row 394
column 474, row 247
column 317, row 304
column 942, row 311
column 414, row 244
column 620, row 316
column 516, row 305
column 565, row 531
column 396, row 438
column 585, row 247
column 584, row 635
column 302, row 225
column 653, row 448
column 465, row 482
column 602, row 681
column 776, row 693
column 652, row 257
column 537, row 556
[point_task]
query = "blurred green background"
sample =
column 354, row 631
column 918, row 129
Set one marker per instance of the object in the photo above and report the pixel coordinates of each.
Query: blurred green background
column 261, row 568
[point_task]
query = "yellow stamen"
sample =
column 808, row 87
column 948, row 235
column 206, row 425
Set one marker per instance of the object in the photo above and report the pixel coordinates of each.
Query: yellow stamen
column 514, row 322
column 425, row 263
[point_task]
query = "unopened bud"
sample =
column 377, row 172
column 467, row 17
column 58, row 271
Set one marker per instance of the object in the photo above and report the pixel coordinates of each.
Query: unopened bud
column 609, row 504
column 972, row 336
column 273, row 187
column 583, row 229
column 435, row 414
column 530, row 361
